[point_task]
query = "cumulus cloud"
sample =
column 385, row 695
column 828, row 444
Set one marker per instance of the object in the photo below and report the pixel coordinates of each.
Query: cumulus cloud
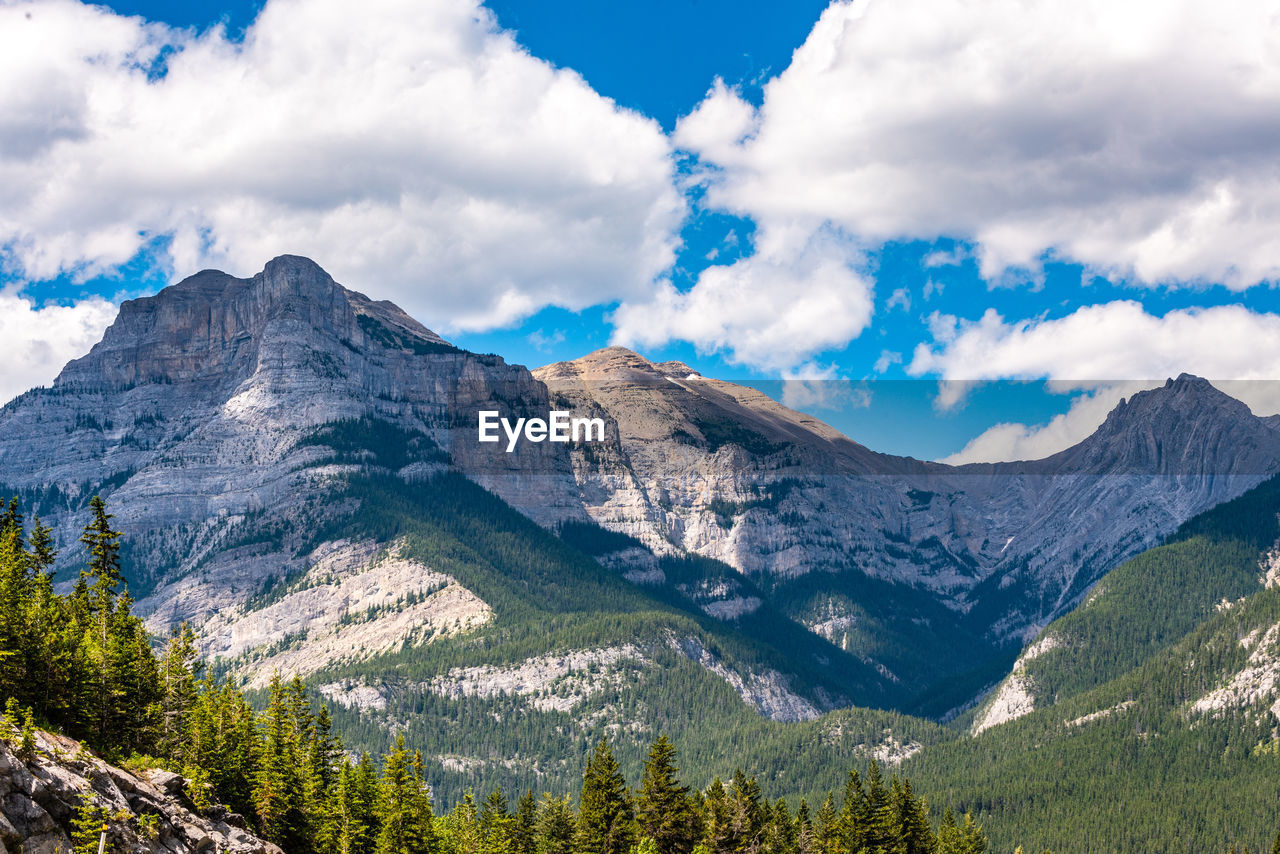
column 412, row 148
column 771, row 311
column 1109, row 351
column 39, row 341
column 1137, row 138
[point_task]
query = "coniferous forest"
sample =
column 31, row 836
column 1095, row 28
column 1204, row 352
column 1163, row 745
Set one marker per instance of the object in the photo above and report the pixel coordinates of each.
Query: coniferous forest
column 82, row 663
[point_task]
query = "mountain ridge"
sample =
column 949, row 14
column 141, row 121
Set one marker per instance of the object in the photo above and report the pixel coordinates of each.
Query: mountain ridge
column 223, row 418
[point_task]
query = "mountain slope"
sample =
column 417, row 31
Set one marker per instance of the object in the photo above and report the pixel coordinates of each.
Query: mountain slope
column 198, row 413
column 43, row 794
column 1153, row 708
column 707, row 467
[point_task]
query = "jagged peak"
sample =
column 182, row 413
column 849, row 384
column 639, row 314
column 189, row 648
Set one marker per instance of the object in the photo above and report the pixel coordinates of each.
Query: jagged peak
column 1184, row 391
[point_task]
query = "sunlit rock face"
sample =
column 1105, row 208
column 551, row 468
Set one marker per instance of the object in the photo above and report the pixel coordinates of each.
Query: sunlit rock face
column 705, row 466
column 197, row 416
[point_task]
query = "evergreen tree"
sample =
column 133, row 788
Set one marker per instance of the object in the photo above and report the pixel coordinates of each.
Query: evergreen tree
column 605, row 819
column 276, row 792
column 87, row 825
column 404, row 807
column 557, row 826
column 496, row 824
column 826, row 828
column 179, row 671
column 851, row 825
column 663, row 810
column 524, row 833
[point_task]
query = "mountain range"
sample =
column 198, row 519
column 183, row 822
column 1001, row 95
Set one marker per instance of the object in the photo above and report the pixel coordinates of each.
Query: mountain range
column 296, row 472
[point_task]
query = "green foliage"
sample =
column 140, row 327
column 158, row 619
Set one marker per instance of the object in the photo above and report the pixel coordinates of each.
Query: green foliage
column 591, row 539
column 606, row 823
column 87, row 825
column 1116, row 736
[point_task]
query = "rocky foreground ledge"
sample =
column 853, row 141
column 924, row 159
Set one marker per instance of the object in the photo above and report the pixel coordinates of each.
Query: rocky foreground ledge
column 42, row 795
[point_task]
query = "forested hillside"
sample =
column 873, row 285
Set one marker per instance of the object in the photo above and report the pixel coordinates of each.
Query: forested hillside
column 82, row 663
column 1155, row 705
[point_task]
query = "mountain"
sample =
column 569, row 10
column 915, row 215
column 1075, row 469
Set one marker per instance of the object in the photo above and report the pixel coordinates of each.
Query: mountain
column 199, row 410
column 297, row 473
column 840, row 537
column 1147, row 718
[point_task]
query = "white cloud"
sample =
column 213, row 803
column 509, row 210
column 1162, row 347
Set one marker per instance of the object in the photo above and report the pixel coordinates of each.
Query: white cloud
column 410, row 147
column 770, row 311
column 811, row 386
column 544, row 342
column 1110, row 351
column 887, row 359
column 1138, row 138
column 900, row 298
column 39, row 341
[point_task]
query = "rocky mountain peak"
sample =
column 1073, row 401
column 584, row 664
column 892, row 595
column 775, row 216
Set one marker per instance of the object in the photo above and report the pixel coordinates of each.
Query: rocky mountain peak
column 1186, row 426
column 212, row 326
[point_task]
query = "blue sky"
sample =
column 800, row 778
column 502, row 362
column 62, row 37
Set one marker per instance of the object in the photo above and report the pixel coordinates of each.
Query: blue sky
column 853, row 217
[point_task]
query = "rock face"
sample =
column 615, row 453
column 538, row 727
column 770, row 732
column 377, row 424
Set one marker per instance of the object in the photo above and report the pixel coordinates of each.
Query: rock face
column 40, row 795
column 198, row 411
column 704, row 466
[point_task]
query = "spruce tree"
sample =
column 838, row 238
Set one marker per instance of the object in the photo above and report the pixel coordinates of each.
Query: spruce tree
column 663, row 810
column 524, row 833
column 97, row 586
column 605, row 820
column 496, row 824
column 404, row 807
column 179, row 669
column 557, row 826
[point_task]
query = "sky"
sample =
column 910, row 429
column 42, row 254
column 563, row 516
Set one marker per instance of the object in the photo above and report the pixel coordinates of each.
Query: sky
column 954, row 231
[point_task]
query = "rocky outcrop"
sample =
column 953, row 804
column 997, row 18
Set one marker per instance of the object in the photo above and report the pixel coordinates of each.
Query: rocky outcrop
column 41, row 795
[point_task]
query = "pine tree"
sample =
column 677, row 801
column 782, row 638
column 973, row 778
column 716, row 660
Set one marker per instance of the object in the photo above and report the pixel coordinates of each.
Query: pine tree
column 717, row 832
column 404, row 807
column 524, row 832
column 605, row 821
column 850, row 825
column 826, row 830
column 806, row 840
column 496, row 824
column 663, row 810
column 462, row 827
column 179, row 671
column 87, row 825
column 275, row 794
column 746, row 813
column 557, row 826
column 782, row 834
column 97, row 586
